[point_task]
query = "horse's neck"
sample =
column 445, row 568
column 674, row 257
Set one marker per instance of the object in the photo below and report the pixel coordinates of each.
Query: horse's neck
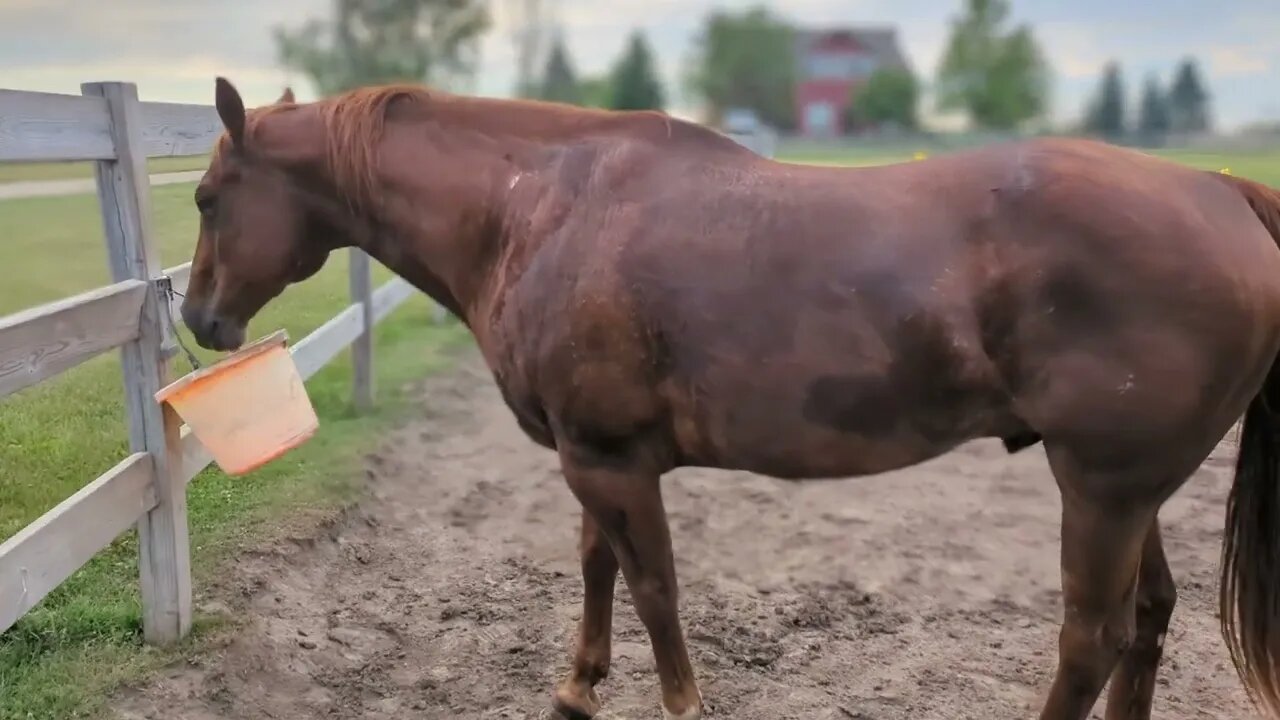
column 437, row 229
column 447, row 234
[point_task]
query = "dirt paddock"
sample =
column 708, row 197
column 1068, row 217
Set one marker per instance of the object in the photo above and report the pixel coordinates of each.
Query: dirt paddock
column 453, row 591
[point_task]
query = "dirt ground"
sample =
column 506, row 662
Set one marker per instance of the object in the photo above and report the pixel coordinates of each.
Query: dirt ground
column 453, row 591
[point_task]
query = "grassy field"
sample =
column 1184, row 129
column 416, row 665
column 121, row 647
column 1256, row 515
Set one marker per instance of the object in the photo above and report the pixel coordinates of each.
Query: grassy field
column 1262, row 166
column 12, row 172
column 62, row 659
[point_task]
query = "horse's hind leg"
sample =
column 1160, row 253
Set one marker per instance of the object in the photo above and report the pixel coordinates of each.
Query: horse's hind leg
column 1105, row 519
column 626, row 503
column 576, row 698
column 1134, row 683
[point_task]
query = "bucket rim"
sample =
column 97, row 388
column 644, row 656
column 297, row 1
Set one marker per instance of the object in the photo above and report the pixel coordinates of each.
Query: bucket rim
column 276, row 339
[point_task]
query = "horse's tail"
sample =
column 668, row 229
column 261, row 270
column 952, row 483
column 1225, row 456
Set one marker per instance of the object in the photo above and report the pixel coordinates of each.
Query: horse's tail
column 1249, row 592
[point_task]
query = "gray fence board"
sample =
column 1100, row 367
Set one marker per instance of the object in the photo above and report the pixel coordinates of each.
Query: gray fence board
column 44, row 341
column 45, row 553
column 38, row 126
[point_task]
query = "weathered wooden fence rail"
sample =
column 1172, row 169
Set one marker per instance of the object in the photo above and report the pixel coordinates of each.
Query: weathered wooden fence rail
column 108, row 125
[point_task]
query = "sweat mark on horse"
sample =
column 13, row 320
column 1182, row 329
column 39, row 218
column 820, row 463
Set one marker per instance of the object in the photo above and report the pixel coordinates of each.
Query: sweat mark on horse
column 649, row 295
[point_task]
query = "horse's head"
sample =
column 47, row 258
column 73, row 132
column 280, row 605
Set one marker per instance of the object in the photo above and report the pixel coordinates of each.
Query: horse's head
column 262, row 226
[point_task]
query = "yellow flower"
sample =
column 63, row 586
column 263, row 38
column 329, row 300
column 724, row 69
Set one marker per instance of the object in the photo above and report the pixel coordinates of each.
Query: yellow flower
column 1225, row 171
column 920, row 155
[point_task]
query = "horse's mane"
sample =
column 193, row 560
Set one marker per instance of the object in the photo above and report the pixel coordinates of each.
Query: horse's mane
column 354, row 122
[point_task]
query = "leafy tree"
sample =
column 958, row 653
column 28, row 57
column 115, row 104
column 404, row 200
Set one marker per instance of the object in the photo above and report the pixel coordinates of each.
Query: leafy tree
column 1188, row 100
column 1106, row 114
column 999, row 78
column 559, row 83
column 746, row 60
column 634, row 79
column 889, row 97
column 379, row 41
column 1153, row 118
column 596, row 91
column 530, row 22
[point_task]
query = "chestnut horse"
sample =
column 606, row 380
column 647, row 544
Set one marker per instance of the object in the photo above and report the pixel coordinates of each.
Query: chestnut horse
column 649, row 295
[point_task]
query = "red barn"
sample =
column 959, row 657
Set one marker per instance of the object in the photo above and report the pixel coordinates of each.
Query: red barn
column 831, row 65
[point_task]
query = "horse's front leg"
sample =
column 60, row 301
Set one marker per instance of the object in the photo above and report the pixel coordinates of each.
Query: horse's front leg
column 626, row 503
column 575, row 698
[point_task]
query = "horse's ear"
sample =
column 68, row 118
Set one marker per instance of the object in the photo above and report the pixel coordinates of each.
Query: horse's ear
column 286, row 97
column 230, row 109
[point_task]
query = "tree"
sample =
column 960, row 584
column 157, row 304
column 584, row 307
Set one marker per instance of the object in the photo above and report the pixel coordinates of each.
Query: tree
column 379, row 41
column 746, row 60
column 634, row 80
column 1153, row 118
column 1188, row 100
column 596, row 91
column 1106, row 113
column 888, row 98
column 1000, row 79
column 559, row 83
column 530, row 22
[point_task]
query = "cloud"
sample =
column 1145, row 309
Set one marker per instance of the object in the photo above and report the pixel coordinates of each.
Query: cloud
column 1074, row 67
column 1227, row 61
column 189, row 80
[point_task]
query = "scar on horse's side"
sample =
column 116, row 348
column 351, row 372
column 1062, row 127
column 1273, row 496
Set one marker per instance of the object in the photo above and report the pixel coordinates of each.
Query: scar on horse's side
column 651, row 295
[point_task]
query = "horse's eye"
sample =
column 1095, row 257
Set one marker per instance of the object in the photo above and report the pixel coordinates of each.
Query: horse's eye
column 206, row 204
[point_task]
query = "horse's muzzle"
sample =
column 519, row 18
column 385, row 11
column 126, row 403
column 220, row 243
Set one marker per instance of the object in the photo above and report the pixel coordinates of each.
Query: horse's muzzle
column 212, row 330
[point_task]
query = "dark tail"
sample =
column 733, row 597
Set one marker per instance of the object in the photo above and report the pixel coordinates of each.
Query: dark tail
column 1250, row 584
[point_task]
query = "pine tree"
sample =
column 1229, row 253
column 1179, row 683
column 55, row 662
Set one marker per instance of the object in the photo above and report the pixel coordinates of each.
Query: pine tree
column 1153, row 118
column 1106, row 116
column 635, row 84
column 1188, row 100
column 559, row 83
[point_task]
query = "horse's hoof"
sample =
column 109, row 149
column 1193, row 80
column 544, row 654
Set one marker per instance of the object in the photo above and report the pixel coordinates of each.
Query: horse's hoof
column 572, row 705
column 693, row 713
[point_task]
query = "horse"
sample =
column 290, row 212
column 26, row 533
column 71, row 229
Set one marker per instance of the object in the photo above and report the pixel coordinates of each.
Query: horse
column 650, row 295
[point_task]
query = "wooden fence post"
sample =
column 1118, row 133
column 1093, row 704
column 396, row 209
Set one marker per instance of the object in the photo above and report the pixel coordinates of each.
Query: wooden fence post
column 124, row 193
column 360, row 282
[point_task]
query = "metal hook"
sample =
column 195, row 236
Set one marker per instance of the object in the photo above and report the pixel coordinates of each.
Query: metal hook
column 164, row 284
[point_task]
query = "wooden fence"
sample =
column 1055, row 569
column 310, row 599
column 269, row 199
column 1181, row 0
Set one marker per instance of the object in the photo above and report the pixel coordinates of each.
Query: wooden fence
column 108, row 125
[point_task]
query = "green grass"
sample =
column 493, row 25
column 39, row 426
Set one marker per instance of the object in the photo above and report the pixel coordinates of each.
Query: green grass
column 64, row 658
column 12, row 172
column 1262, row 166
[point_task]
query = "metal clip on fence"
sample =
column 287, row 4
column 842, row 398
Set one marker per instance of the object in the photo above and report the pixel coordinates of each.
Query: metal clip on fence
column 164, row 286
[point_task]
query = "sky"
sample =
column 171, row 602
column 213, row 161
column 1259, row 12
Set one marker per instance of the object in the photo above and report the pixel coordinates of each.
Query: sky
column 173, row 49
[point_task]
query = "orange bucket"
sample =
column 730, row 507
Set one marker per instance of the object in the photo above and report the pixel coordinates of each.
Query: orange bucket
column 247, row 409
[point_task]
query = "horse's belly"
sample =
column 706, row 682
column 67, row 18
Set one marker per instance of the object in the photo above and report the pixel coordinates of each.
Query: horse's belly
column 849, row 457
column 839, row 427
